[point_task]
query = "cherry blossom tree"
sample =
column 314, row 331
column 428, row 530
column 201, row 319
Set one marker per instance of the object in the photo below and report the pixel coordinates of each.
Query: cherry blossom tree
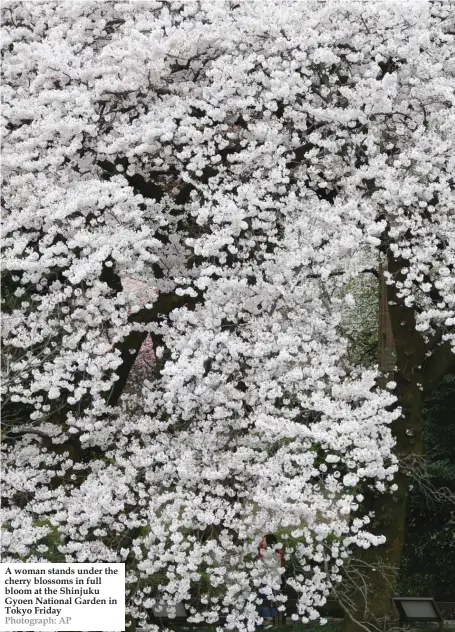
column 246, row 161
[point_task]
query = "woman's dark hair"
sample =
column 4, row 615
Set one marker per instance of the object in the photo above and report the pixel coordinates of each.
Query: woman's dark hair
column 270, row 538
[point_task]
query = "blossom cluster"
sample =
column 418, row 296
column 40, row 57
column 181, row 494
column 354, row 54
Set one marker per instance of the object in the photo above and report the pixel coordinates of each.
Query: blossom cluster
column 245, row 161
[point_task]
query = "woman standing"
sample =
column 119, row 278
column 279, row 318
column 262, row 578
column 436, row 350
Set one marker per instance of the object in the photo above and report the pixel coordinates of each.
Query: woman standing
column 272, row 559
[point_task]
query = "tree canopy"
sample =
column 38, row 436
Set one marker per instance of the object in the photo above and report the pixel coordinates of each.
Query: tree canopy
column 245, row 161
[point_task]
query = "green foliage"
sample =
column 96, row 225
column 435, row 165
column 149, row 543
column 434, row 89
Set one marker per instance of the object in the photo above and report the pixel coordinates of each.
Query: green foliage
column 51, row 540
column 360, row 321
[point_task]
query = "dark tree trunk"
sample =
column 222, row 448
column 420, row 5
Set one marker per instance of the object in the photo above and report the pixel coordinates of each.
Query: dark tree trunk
column 415, row 376
column 386, row 346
